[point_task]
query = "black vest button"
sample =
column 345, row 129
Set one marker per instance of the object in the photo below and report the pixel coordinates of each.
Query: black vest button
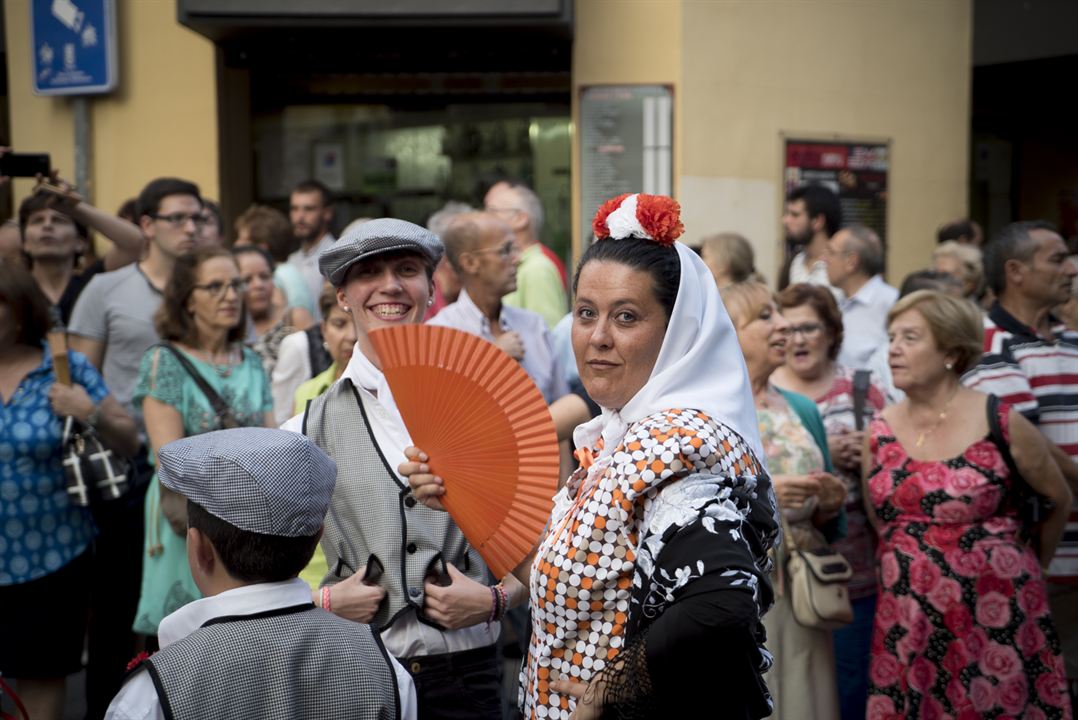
column 409, row 501
column 411, row 548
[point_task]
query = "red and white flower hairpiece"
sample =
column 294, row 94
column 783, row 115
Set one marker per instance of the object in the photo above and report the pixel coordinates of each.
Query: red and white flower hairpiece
column 648, row 217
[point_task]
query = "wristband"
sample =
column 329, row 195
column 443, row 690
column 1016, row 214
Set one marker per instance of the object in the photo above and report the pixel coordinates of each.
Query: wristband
column 326, row 605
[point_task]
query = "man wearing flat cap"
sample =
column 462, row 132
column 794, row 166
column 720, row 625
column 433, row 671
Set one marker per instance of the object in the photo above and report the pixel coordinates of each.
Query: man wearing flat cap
column 256, row 646
column 393, row 562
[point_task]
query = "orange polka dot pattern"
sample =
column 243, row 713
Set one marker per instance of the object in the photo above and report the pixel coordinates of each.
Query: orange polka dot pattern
column 583, row 572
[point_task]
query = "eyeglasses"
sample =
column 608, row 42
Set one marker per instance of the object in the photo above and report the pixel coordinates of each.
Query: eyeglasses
column 505, row 251
column 180, row 219
column 806, row 330
column 218, row 289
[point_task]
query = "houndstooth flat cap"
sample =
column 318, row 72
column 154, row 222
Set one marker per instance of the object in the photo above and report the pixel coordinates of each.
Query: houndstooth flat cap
column 374, row 238
column 261, row 480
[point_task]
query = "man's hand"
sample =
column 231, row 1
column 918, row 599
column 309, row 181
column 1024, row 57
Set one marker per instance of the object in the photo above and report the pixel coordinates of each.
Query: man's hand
column 461, row 604
column 511, row 343
column 354, row 599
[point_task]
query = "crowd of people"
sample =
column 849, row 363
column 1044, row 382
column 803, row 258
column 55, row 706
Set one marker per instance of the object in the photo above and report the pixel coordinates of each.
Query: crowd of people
column 713, row 426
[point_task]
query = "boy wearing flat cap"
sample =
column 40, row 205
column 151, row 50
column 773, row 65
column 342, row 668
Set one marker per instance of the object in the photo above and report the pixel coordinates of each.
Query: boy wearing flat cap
column 256, row 646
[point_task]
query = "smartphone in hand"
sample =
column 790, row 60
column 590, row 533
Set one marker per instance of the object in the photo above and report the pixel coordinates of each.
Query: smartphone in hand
column 25, row 164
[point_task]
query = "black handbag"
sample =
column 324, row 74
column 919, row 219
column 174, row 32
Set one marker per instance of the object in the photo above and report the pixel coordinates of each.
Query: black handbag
column 94, row 474
column 1032, row 507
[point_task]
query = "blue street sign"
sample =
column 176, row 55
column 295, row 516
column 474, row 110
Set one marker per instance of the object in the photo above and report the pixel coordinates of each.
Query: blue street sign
column 74, row 46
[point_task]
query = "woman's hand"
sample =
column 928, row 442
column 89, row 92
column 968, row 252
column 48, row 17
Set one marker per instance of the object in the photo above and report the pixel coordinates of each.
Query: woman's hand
column 588, row 706
column 354, row 599
column 845, row 449
column 832, row 492
column 71, row 400
column 426, row 487
column 462, row 603
column 793, row 491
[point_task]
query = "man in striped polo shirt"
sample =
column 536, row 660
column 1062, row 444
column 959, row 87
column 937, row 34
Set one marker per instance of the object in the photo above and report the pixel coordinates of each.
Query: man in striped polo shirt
column 1031, row 362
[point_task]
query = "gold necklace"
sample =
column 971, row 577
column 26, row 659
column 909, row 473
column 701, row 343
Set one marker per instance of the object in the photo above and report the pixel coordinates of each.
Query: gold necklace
column 940, row 419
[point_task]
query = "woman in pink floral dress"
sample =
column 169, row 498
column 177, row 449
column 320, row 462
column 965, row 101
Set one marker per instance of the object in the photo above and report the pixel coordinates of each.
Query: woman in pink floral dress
column 962, row 626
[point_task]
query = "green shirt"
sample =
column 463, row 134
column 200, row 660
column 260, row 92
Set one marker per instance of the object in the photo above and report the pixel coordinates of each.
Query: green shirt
column 539, row 287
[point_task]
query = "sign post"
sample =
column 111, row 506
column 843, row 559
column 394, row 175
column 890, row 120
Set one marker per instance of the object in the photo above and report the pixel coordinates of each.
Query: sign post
column 74, row 46
column 73, row 43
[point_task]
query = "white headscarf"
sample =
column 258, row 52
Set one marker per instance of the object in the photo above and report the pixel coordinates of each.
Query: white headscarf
column 699, row 367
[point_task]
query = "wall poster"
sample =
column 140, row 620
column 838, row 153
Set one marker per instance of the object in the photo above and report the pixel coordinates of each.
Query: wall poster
column 857, row 171
column 626, row 145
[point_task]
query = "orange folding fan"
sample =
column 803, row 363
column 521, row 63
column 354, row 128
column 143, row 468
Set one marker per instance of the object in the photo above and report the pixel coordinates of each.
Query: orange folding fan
column 486, row 428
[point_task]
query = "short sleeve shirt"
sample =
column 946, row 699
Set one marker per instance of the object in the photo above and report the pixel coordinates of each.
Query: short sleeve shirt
column 40, row 530
column 244, row 389
column 117, row 309
column 539, row 287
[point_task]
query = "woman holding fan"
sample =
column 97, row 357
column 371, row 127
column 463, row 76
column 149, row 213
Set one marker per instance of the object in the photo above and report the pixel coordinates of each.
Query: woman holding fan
column 392, row 561
column 655, row 555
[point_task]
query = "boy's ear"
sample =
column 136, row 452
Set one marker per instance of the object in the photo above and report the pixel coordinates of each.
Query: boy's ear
column 201, row 555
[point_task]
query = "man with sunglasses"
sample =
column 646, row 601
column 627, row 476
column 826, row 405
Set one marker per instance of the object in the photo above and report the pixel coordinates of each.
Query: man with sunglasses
column 112, row 324
column 481, row 248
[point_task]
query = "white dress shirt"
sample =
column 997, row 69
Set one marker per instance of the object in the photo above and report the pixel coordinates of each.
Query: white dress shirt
column 306, row 261
column 137, row 699
column 864, row 322
column 815, row 275
column 407, row 636
column 539, row 361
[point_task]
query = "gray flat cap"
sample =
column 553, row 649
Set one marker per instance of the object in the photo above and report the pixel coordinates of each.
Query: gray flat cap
column 374, row 238
column 261, row 480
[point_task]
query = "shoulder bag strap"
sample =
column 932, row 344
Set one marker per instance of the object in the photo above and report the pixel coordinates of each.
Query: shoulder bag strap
column 220, row 407
column 1023, row 497
column 860, row 392
column 995, row 430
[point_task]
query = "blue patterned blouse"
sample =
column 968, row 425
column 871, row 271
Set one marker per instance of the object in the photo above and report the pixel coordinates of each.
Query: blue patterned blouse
column 40, row 530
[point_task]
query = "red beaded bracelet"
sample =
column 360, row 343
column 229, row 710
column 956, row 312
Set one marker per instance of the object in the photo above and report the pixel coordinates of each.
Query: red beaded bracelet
column 325, row 599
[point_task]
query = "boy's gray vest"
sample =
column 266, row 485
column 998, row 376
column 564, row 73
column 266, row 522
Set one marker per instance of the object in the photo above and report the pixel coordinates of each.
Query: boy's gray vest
column 298, row 662
column 373, row 513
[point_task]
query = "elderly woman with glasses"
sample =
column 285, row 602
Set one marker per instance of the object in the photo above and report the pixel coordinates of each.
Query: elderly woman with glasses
column 847, row 403
column 200, row 378
column 802, row 679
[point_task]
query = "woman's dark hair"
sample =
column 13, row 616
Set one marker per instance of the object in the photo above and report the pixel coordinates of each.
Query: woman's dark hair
column 172, row 320
column 820, row 299
column 268, row 228
column 253, row 557
column 660, row 261
column 254, row 250
column 27, row 304
column 327, row 300
column 929, row 280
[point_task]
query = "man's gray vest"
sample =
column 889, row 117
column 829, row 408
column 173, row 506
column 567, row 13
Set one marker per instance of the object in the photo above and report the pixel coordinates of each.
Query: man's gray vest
column 298, row 662
column 373, row 513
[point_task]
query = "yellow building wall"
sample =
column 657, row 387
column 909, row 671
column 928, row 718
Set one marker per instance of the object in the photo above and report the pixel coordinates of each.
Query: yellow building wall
column 624, row 42
column 748, row 72
column 161, row 120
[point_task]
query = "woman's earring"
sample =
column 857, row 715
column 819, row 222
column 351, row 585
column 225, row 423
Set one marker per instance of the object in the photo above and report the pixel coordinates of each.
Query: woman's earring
column 948, row 365
column 430, row 301
column 325, row 346
column 347, row 309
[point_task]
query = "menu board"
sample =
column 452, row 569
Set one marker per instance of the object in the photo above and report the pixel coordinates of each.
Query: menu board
column 856, row 171
column 626, row 144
